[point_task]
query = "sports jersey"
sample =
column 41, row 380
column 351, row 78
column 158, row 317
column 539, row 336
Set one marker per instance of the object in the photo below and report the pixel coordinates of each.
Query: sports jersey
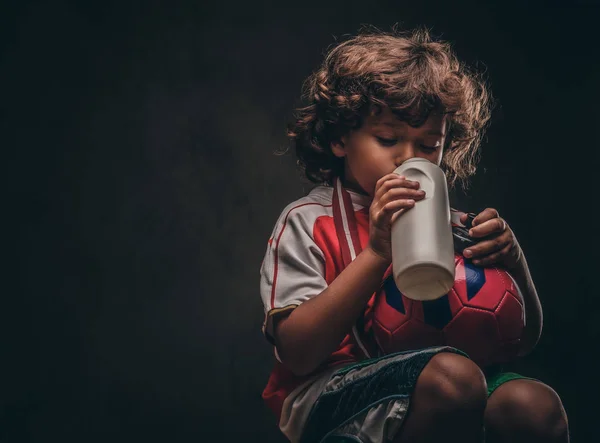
column 305, row 254
column 313, row 240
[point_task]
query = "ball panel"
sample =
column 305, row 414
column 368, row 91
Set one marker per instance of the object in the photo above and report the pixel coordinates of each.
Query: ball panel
column 474, row 331
column 393, row 296
column 488, row 295
column 413, row 334
column 392, row 308
column 383, row 335
column 388, row 318
column 437, row 312
column 455, row 303
column 509, row 315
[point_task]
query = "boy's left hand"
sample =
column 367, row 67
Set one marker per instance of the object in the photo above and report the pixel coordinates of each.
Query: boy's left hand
column 498, row 245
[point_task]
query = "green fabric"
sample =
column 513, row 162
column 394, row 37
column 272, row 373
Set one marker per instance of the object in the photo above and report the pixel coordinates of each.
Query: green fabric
column 494, row 381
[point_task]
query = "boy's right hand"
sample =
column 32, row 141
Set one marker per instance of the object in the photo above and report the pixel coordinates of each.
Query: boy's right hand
column 394, row 195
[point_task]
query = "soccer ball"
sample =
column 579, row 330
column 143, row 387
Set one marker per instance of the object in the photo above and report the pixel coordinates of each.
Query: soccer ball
column 482, row 315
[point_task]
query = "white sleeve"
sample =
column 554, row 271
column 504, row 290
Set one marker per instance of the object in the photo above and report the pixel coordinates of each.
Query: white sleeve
column 293, row 269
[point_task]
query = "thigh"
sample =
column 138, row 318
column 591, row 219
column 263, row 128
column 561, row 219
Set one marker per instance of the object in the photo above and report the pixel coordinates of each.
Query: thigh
column 367, row 402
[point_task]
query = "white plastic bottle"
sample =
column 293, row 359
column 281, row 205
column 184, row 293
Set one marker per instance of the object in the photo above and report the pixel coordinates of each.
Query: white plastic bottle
column 422, row 245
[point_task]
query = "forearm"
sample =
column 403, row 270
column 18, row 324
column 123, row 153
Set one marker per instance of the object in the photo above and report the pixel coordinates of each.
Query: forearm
column 315, row 329
column 533, row 308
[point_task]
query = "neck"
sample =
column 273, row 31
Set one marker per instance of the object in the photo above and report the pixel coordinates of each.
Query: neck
column 354, row 187
column 350, row 184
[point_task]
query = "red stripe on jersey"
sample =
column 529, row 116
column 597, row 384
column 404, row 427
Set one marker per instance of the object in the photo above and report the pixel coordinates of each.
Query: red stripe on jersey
column 277, row 248
column 339, row 227
column 351, row 222
column 347, row 214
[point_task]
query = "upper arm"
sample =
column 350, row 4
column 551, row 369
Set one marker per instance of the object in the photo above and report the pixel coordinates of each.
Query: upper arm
column 293, row 269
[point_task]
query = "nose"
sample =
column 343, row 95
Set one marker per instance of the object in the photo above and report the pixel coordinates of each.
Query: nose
column 405, row 152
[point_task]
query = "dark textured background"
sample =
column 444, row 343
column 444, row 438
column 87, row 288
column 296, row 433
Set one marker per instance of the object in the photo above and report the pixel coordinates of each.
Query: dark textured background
column 137, row 142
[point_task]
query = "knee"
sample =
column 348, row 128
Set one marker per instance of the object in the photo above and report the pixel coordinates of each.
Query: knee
column 453, row 383
column 526, row 407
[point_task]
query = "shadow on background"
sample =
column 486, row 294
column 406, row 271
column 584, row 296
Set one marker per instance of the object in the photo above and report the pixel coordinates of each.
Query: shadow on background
column 138, row 143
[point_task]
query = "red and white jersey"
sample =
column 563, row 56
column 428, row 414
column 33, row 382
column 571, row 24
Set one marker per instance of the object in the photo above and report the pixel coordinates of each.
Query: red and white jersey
column 314, row 239
column 305, row 254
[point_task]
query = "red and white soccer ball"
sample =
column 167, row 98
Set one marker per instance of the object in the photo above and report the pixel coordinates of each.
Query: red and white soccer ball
column 482, row 315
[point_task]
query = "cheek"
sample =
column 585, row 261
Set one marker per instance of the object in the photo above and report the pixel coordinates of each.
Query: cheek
column 375, row 161
column 371, row 168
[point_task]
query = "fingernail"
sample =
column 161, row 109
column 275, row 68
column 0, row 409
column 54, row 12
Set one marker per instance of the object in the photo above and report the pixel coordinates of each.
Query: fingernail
column 470, row 233
column 467, row 253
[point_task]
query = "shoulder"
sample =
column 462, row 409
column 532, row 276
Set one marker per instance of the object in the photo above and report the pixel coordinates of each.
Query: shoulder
column 306, row 210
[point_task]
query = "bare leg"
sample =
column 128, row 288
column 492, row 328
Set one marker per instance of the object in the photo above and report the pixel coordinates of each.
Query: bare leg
column 525, row 411
column 448, row 403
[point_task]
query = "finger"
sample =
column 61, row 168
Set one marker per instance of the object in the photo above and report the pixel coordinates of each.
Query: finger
column 386, row 183
column 393, row 181
column 466, row 218
column 387, row 177
column 402, row 193
column 485, row 215
column 487, row 247
column 399, row 213
column 490, row 227
column 493, row 258
column 407, row 183
column 388, row 210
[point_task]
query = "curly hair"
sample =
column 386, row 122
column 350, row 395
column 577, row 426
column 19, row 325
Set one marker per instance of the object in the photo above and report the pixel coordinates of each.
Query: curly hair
column 410, row 73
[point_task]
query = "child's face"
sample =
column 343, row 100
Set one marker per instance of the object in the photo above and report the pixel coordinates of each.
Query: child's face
column 383, row 143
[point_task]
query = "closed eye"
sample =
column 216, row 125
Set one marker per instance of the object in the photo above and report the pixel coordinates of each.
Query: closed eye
column 387, row 141
column 429, row 149
column 392, row 141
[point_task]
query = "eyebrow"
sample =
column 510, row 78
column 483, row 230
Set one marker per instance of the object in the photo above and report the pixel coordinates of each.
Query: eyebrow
column 430, row 132
column 434, row 132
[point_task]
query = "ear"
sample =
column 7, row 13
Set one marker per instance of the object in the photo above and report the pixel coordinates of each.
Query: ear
column 338, row 147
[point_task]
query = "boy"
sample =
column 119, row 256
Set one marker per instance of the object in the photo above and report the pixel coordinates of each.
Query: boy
column 377, row 100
